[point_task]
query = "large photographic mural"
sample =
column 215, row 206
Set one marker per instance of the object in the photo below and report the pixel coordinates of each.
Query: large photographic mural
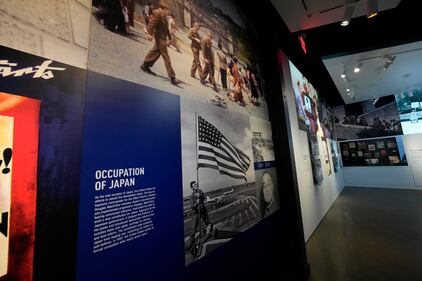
column 152, row 146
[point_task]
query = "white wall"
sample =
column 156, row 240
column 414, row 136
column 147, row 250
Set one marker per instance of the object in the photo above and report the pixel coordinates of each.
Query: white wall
column 315, row 201
column 400, row 177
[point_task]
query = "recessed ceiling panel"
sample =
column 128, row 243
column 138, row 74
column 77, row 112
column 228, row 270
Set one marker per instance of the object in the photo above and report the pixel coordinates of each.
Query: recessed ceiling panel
column 305, row 14
column 382, row 72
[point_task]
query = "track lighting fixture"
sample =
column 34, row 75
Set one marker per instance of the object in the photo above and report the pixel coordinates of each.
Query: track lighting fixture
column 371, row 8
column 389, row 61
column 348, row 14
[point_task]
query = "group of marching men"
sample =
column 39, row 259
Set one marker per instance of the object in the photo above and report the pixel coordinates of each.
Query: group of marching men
column 161, row 27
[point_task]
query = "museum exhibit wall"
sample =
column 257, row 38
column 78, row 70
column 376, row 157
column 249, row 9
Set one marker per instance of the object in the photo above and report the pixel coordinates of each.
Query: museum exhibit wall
column 374, row 122
column 135, row 145
column 315, row 198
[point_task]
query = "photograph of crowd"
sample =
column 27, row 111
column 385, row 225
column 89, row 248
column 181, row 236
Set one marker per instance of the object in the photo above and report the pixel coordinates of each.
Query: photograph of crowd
column 197, row 48
column 409, row 105
column 367, row 119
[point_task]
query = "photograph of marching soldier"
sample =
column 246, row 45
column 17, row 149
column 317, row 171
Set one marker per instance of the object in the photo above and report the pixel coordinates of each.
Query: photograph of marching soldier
column 222, row 63
column 219, row 189
column 208, row 55
column 158, row 28
column 200, row 46
column 173, row 29
column 196, row 48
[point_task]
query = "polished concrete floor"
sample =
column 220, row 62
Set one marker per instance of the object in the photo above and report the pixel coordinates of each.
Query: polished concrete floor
column 369, row 235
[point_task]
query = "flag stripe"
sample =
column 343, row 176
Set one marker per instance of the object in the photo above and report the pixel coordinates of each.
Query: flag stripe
column 221, row 172
column 221, row 168
column 210, row 150
column 227, row 144
column 216, row 152
column 238, row 162
column 226, row 156
column 219, row 163
column 234, row 160
column 242, row 154
column 236, row 151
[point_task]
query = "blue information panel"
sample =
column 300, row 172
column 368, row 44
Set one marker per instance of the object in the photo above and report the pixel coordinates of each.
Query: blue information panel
column 131, row 213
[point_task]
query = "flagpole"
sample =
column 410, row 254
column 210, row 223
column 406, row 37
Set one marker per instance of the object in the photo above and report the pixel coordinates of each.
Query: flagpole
column 196, row 144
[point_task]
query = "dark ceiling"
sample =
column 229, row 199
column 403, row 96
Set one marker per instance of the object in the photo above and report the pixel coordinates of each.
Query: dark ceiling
column 392, row 27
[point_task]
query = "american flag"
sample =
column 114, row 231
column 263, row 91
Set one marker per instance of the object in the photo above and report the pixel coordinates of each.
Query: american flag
column 216, row 152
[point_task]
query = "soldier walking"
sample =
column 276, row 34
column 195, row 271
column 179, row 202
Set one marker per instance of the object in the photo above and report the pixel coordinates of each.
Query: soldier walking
column 196, row 48
column 158, row 28
column 222, row 59
column 208, row 55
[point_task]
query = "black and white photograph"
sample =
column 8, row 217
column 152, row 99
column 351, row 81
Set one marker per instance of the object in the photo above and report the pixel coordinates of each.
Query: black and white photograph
column 219, row 189
column 327, row 119
column 194, row 48
column 267, row 187
column 409, row 105
column 316, row 161
column 262, row 140
column 326, row 155
column 368, row 119
column 335, row 155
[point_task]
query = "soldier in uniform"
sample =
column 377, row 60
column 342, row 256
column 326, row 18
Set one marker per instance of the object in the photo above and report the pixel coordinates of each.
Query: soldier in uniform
column 196, row 48
column 222, row 59
column 208, row 55
column 197, row 200
column 158, row 28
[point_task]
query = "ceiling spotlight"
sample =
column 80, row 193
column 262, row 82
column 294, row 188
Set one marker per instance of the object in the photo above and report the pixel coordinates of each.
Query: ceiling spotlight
column 357, row 68
column 348, row 14
column 343, row 75
column 347, row 90
column 345, row 23
column 371, row 8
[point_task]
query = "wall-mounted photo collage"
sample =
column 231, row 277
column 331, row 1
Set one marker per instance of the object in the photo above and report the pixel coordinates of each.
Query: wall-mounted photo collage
column 153, row 146
column 315, row 117
column 374, row 152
